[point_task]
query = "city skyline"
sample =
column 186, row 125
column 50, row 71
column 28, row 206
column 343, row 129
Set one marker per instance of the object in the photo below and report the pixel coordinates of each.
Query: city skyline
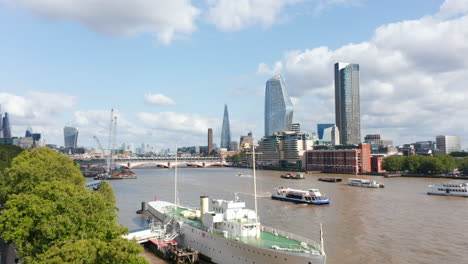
column 83, row 64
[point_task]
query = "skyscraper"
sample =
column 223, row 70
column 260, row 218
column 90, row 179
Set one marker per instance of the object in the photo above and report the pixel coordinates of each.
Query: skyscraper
column 210, row 140
column 226, row 131
column 29, row 131
column 1, row 121
column 347, row 105
column 321, row 128
column 6, row 126
column 278, row 107
column 70, row 136
column 448, row 144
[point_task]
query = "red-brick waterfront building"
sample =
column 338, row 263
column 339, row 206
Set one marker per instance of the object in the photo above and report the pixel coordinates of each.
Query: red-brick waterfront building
column 340, row 159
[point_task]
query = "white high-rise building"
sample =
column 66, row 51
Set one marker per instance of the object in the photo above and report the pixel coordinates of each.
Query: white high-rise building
column 448, row 144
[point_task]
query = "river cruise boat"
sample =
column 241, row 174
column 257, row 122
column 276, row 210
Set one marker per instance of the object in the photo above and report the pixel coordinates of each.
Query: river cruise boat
column 293, row 176
column 450, row 189
column 311, row 196
column 364, row 183
column 228, row 233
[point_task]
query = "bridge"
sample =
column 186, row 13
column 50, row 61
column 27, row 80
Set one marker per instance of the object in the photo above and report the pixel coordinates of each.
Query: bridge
column 162, row 162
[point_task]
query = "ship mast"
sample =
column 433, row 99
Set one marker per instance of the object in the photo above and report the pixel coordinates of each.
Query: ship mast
column 175, row 179
column 255, row 191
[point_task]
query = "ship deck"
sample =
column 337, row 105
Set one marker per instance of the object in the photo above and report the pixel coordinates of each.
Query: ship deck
column 268, row 239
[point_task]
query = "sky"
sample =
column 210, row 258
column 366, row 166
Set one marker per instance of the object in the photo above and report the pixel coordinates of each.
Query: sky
column 168, row 67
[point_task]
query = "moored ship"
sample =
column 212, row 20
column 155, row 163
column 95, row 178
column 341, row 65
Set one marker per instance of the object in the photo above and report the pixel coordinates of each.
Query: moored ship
column 311, row 196
column 227, row 232
column 449, row 189
column 364, row 183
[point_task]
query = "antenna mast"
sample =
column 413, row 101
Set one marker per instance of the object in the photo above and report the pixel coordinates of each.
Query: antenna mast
column 255, row 190
column 175, row 179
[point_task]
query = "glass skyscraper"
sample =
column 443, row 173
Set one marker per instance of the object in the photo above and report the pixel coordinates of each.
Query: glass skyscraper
column 226, row 131
column 70, row 136
column 278, row 107
column 6, row 126
column 347, row 103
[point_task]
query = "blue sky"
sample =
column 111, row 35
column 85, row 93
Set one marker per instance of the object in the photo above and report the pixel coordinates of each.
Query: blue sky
column 168, row 67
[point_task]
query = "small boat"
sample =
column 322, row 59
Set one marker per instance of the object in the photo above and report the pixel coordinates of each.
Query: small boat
column 311, row 196
column 330, row 179
column 291, row 176
column 364, row 183
column 449, row 189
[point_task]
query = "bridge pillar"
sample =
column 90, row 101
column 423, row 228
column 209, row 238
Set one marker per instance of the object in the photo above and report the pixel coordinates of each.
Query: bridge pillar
column 128, row 165
column 203, row 164
column 169, row 164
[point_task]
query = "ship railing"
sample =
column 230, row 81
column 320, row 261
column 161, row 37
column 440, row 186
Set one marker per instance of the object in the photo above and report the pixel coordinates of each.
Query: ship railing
column 308, row 242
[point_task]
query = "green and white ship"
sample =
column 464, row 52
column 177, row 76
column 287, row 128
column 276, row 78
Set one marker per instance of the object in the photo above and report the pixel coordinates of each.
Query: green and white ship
column 226, row 232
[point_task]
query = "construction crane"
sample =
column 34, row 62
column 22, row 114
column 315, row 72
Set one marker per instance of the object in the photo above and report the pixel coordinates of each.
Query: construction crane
column 103, row 152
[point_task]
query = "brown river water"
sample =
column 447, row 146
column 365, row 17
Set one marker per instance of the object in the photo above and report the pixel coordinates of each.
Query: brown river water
column 397, row 224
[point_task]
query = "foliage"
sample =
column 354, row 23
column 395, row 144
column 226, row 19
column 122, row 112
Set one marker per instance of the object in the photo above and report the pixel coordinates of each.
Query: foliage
column 421, row 164
column 462, row 164
column 393, row 163
column 7, row 153
column 236, row 158
column 459, row 154
column 51, row 217
column 41, row 164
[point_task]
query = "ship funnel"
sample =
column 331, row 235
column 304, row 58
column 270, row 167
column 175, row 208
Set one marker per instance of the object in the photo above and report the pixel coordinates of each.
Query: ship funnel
column 203, row 204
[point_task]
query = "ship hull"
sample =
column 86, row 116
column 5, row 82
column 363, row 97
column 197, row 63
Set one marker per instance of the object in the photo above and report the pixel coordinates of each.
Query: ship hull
column 299, row 201
column 222, row 250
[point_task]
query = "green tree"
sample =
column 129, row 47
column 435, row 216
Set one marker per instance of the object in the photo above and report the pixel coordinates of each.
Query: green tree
column 449, row 163
column 462, row 164
column 459, row 154
column 393, row 163
column 56, row 214
column 33, row 167
column 412, row 163
column 431, row 165
column 7, row 153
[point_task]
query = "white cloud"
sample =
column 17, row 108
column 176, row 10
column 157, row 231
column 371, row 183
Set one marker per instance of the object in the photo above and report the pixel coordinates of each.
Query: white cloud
column 264, row 69
column 229, row 15
column 165, row 19
column 453, row 7
column 176, row 121
column 413, row 76
column 158, row 99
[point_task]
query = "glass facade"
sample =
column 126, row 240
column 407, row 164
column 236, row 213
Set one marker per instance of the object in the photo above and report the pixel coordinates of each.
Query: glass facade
column 70, row 136
column 347, row 103
column 6, row 126
column 226, row 131
column 321, row 128
column 278, row 107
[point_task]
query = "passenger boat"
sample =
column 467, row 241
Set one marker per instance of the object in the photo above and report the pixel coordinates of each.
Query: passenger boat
column 292, row 176
column 311, row 196
column 330, row 179
column 364, row 183
column 450, row 189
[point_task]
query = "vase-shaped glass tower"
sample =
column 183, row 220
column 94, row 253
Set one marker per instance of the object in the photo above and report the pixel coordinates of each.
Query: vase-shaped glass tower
column 70, row 136
column 347, row 105
column 278, row 107
column 226, row 131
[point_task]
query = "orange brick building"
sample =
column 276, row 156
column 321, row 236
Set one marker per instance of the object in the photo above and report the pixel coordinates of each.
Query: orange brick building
column 340, row 159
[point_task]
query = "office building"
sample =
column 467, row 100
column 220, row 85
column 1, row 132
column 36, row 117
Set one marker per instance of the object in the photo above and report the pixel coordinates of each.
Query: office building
column 246, row 142
column 210, row 141
column 1, row 122
column 296, row 127
column 347, row 103
column 331, row 134
column 234, row 146
column 285, row 149
column 6, row 126
column 70, row 136
column 226, row 131
column 278, row 107
column 321, row 128
column 340, row 159
column 29, row 131
column 448, row 144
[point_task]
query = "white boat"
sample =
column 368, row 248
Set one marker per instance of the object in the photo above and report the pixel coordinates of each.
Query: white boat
column 364, row 183
column 311, row 196
column 226, row 232
column 450, row 189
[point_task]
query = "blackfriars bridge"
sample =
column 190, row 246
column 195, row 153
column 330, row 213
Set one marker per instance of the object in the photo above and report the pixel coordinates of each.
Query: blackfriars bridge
column 162, row 162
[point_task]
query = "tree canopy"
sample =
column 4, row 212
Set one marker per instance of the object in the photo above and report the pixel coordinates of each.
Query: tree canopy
column 421, row 164
column 50, row 215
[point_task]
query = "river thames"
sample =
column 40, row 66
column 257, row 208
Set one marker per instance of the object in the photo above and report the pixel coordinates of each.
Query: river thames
column 397, row 224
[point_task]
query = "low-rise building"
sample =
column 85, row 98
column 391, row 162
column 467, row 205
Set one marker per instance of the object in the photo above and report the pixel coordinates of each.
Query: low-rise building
column 340, row 159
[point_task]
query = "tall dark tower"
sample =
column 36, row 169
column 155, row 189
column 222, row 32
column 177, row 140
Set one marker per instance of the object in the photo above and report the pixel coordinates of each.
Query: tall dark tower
column 6, row 126
column 210, row 140
column 1, row 122
column 278, row 107
column 226, row 131
column 347, row 103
